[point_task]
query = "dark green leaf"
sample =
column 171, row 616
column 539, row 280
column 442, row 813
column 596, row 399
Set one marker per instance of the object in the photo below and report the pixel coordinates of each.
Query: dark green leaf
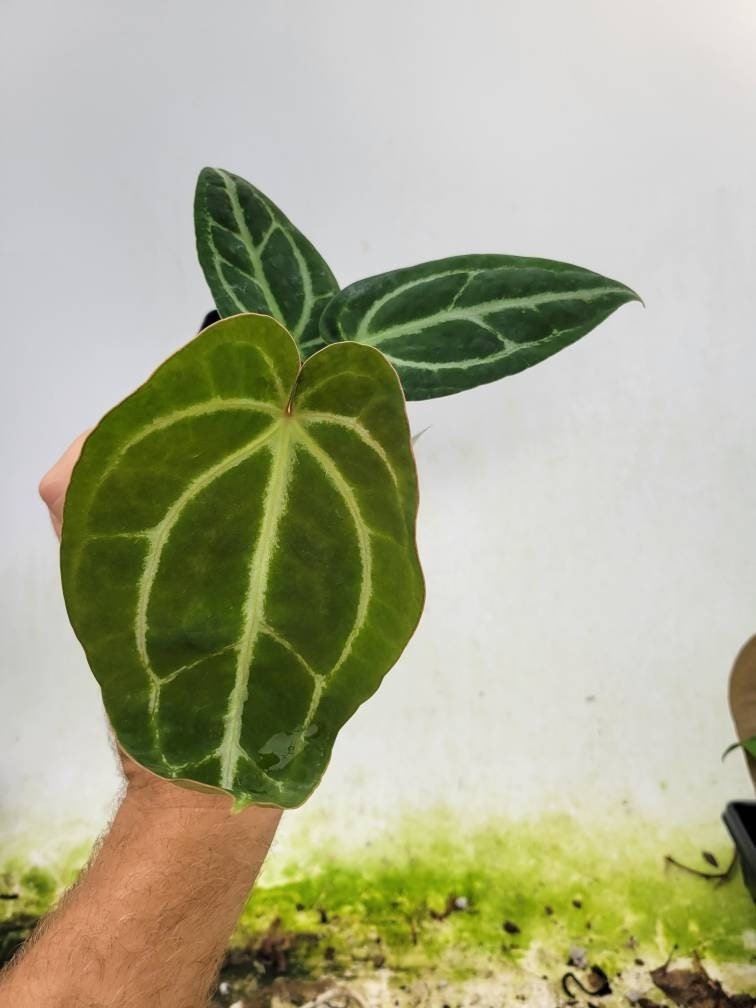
column 239, row 556
column 456, row 323
column 255, row 260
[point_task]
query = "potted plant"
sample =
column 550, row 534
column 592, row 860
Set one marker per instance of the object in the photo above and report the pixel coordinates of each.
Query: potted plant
column 238, row 551
column 740, row 816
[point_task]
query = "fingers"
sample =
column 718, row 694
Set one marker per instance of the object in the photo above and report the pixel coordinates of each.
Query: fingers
column 53, row 485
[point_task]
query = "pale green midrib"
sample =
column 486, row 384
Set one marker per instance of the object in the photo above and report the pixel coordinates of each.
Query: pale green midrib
column 274, row 506
column 469, row 272
column 309, row 298
column 510, row 350
column 158, row 537
column 249, row 244
column 479, row 311
column 363, row 542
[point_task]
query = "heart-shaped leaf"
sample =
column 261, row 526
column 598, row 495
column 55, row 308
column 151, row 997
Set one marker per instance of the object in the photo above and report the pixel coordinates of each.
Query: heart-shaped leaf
column 255, row 260
column 239, row 556
column 450, row 325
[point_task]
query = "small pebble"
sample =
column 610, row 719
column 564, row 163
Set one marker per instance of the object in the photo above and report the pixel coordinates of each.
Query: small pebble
column 578, row 957
column 461, row 903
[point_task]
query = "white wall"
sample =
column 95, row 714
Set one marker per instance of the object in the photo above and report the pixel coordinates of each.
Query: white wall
column 588, row 528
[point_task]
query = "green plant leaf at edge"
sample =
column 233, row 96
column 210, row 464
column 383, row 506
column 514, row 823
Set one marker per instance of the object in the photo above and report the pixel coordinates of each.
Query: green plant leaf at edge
column 255, row 260
column 748, row 745
column 239, row 559
column 455, row 323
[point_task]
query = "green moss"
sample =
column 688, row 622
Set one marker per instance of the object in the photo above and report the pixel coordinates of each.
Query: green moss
column 556, row 883
column 35, row 887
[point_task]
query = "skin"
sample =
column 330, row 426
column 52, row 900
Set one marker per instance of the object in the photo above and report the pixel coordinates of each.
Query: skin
column 148, row 922
column 150, row 918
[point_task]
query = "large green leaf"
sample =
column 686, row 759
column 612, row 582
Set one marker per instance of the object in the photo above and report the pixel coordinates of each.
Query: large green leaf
column 456, row 323
column 239, row 556
column 255, row 260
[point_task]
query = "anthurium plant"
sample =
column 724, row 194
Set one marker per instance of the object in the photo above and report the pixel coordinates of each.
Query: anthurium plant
column 238, row 552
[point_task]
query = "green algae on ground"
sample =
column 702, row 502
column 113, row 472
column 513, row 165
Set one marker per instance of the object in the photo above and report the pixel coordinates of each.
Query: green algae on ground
column 427, row 896
column 421, row 897
column 32, row 886
column 28, row 890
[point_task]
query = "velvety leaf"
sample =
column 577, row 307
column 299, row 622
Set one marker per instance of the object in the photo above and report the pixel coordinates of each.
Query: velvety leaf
column 239, row 556
column 456, row 323
column 255, row 260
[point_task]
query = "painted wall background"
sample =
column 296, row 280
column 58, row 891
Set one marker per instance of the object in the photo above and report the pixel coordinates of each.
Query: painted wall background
column 586, row 528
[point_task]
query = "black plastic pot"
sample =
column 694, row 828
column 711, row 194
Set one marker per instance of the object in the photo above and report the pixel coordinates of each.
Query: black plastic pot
column 740, row 819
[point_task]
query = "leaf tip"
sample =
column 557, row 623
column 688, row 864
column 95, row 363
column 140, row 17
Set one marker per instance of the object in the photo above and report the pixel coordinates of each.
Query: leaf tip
column 747, row 745
column 631, row 295
column 729, row 749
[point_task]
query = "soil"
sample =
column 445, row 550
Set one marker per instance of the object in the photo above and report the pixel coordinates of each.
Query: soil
column 694, row 988
column 276, row 970
column 540, row 914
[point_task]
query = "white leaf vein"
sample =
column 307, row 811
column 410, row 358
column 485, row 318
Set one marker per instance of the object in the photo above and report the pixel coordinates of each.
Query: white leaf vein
column 274, row 505
column 158, row 538
column 336, row 478
column 476, row 312
column 246, row 237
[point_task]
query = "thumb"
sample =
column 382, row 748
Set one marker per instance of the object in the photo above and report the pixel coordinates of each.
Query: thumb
column 53, row 485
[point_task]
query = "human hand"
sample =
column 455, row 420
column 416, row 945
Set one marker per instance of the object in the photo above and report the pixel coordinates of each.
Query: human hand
column 155, row 907
column 53, row 485
column 52, row 490
column 151, row 788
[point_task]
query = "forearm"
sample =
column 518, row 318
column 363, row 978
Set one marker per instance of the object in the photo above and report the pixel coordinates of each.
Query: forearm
column 150, row 919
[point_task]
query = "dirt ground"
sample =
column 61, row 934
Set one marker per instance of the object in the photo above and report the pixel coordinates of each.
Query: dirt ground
column 684, row 984
column 281, row 969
